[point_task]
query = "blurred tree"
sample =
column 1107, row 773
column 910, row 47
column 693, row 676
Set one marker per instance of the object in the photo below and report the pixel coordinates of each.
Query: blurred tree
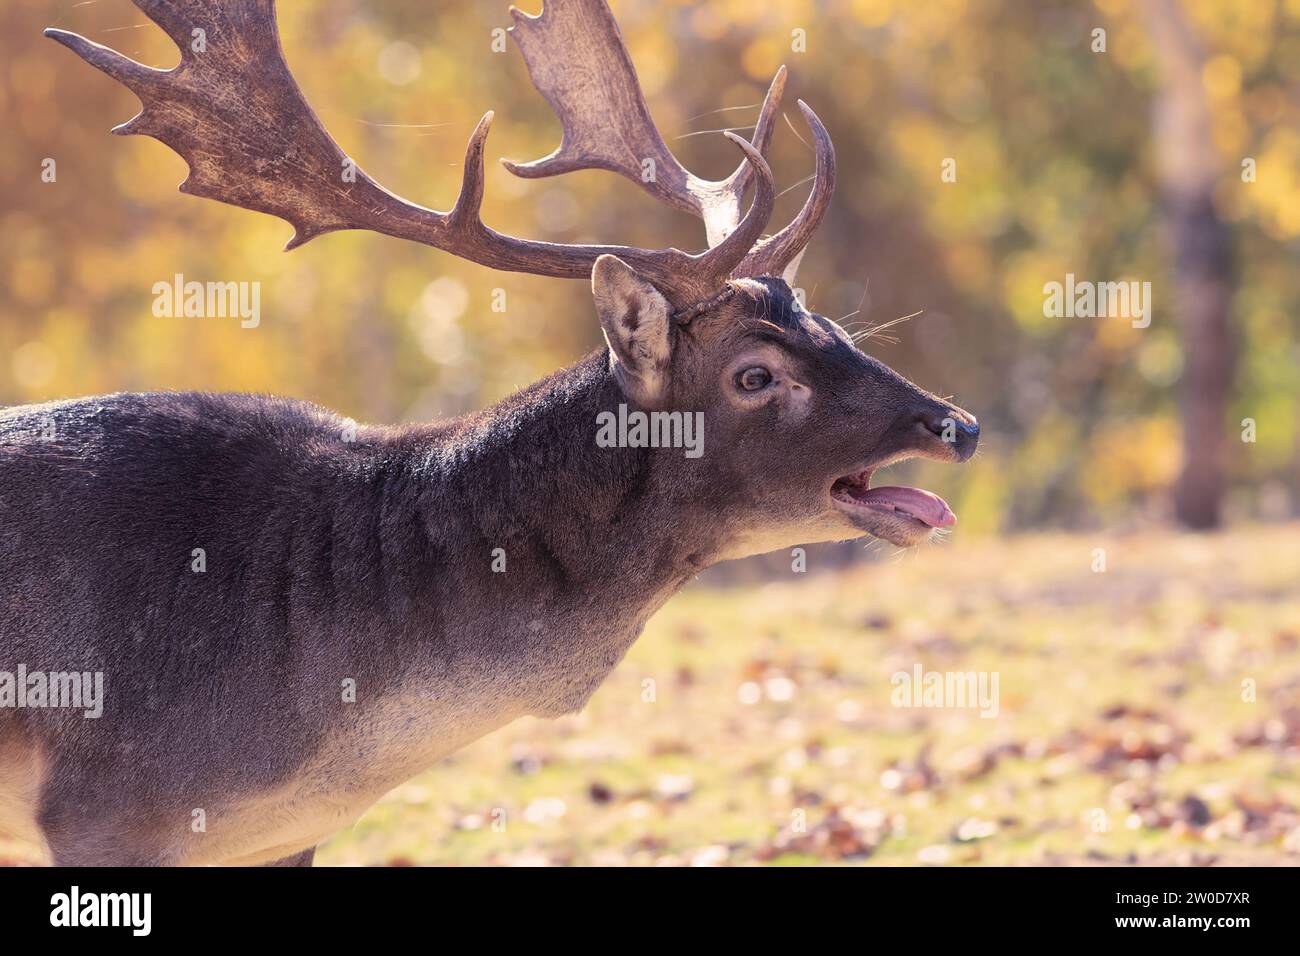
column 1190, row 169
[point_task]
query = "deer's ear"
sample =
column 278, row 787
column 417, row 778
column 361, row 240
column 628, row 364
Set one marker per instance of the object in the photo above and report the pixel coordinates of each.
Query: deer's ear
column 637, row 323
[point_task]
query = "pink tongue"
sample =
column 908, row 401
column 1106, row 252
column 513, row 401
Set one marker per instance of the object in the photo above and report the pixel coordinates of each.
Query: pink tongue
column 917, row 502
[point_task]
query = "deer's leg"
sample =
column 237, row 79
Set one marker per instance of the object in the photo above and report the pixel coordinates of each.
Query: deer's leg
column 93, row 846
column 107, row 839
column 121, row 856
column 81, row 826
column 302, row 859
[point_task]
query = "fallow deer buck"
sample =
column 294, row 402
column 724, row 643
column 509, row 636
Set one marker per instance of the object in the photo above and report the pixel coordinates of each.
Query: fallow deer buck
column 368, row 562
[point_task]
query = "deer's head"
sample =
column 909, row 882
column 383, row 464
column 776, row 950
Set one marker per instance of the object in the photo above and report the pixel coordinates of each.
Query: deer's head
column 797, row 417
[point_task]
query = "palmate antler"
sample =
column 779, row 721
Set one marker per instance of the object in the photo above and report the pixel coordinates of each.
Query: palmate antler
column 577, row 61
column 235, row 114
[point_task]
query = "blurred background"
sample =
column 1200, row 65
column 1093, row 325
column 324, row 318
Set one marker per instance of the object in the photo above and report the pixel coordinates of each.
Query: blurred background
column 1165, row 149
column 1061, row 167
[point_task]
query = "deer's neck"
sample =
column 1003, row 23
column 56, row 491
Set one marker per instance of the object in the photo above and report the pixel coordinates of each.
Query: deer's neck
column 532, row 481
column 544, row 554
column 478, row 571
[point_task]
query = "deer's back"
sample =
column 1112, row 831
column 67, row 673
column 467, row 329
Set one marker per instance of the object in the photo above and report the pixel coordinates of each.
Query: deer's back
column 119, row 510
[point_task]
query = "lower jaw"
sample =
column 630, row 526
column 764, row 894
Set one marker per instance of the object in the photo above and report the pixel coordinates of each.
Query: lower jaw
column 895, row 527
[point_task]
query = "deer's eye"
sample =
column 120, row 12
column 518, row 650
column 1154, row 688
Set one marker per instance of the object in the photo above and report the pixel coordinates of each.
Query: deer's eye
column 752, row 379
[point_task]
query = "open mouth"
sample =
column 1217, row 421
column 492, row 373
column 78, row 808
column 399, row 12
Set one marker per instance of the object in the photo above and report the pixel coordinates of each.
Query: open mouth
column 923, row 508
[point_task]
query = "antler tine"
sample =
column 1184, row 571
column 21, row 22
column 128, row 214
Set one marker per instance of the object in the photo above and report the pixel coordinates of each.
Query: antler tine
column 780, row 254
column 712, row 268
column 736, row 184
column 134, row 76
column 577, row 60
column 234, row 113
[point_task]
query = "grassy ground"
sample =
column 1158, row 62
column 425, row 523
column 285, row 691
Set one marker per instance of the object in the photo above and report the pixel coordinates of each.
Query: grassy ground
column 755, row 725
column 768, row 733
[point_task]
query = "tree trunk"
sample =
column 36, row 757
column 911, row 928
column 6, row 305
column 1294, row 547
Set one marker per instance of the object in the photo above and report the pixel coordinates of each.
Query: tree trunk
column 1189, row 168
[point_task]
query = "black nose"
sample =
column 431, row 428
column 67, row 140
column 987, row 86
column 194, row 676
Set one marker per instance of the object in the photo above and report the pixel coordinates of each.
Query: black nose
column 953, row 425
